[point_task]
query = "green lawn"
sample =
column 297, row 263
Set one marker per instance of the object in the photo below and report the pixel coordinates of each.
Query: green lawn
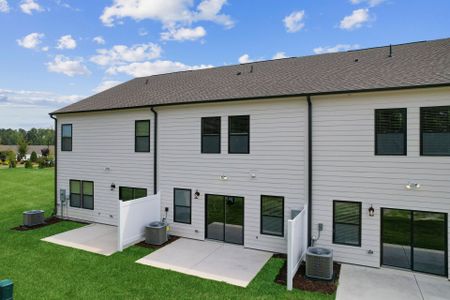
column 45, row 271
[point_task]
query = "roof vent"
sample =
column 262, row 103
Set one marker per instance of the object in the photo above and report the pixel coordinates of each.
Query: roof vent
column 251, row 69
column 238, row 73
column 356, row 59
column 146, row 81
column 390, row 51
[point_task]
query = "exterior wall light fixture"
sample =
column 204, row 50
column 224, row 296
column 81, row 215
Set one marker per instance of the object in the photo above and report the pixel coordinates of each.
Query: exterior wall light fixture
column 196, row 194
column 371, row 211
column 113, row 186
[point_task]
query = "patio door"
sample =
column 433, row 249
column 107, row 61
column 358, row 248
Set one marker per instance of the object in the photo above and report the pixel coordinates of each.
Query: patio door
column 225, row 218
column 414, row 240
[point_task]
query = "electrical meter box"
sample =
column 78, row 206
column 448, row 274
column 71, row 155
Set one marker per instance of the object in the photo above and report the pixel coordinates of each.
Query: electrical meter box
column 62, row 195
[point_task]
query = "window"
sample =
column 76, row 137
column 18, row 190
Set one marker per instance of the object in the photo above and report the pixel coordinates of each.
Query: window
column 142, row 136
column 435, row 131
column 130, row 193
column 390, row 131
column 211, row 135
column 66, row 137
column 82, row 194
column 347, row 223
column 239, row 134
column 182, row 205
column 272, row 215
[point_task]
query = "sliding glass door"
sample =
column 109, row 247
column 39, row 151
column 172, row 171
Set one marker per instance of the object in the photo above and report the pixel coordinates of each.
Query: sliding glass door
column 414, row 240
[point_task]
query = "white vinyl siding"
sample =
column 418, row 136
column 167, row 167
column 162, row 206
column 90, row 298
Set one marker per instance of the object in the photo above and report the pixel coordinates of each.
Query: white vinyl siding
column 346, row 168
column 277, row 160
column 103, row 152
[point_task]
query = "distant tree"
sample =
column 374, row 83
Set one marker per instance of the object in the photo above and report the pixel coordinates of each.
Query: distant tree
column 34, row 136
column 22, row 150
column 3, row 156
column 12, row 159
column 33, row 157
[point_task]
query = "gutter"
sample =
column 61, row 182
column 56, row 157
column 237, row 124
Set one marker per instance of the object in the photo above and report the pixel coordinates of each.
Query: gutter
column 310, row 171
column 55, row 208
column 155, row 151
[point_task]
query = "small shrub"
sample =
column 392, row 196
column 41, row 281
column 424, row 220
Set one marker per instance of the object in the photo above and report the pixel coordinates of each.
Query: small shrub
column 3, row 156
column 33, row 157
column 46, row 162
column 28, row 164
column 45, row 152
column 12, row 159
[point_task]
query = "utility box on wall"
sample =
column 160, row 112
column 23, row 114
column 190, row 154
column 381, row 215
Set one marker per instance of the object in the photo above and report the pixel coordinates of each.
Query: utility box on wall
column 6, row 289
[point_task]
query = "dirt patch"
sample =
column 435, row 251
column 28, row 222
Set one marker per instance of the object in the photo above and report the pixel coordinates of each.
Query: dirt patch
column 301, row 282
column 49, row 221
column 172, row 238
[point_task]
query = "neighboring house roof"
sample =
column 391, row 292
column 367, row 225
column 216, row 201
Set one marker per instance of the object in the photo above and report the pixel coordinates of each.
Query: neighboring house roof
column 411, row 65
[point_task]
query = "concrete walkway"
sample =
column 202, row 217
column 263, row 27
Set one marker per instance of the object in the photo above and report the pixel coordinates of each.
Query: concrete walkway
column 95, row 238
column 365, row 283
column 211, row 260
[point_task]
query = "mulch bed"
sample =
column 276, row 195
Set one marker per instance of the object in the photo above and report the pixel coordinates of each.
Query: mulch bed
column 49, row 221
column 301, row 282
column 172, row 238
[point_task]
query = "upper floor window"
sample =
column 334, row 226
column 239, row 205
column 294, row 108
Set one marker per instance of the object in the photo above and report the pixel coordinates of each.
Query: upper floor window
column 142, row 136
column 211, row 135
column 66, row 137
column 347, row 223
column 130, row 193
column 239, row 134
column 435, row 131
column 390, row 131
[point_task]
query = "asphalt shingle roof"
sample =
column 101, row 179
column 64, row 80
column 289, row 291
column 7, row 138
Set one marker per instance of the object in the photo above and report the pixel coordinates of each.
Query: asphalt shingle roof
column 415, row 64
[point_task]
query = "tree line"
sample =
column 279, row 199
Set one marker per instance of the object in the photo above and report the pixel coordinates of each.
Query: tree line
column 34, row 136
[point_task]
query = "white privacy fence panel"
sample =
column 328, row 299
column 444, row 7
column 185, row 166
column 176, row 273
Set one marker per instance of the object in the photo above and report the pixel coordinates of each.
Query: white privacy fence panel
column 134, row 215
column 297, row 235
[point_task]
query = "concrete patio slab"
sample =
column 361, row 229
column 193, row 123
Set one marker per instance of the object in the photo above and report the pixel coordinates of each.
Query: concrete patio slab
column 232, row 264
column 364, row 283
column 95, row 238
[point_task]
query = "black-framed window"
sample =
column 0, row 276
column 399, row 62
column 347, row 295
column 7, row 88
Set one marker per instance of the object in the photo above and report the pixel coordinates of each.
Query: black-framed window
column 435, row 131
column 347, row 223
column 66, row 137
column 211, row 135
column 390, row 131
column 239, row 134
column 131, row 193
column 182, row 202
column 272, row 215
column 82, row 194
column 142, row 136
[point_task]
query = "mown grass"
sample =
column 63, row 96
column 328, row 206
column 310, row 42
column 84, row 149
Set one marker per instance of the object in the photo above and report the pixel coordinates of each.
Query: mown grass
column 42, row 270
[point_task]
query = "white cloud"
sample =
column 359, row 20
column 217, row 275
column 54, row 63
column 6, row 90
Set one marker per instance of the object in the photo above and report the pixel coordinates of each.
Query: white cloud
column 337, row 48
column 183, row 34
column 167, row 12
column 31, row 41
column 99, row 40
column 279, row 55
column 152, row 68
column 70, row 67
column 27, row 109
column 294, row 22
column 66, row 42
column 372, row 3
column 106, row 84
column 244, row 59
column 27, row 7
column 355, row 20
column 4, row 7
column 121, row 54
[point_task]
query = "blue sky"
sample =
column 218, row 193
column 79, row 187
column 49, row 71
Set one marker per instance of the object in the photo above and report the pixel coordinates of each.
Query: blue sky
column 55, row 52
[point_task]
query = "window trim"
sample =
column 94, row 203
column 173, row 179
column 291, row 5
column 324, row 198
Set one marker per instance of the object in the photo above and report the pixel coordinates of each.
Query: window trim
column 220, row 135
column 175, row 206
column 229, row 135
column 422, row 120
column 261, row 216
column 136, row 136
column 81, row 194
column 133, row 192
column 405, row 134
column 71, row 137
column 360, row 223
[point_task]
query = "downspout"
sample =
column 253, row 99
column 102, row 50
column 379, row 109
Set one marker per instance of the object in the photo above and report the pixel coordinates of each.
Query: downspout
column 55, row 141
column 155, row 151
column 310, row 171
